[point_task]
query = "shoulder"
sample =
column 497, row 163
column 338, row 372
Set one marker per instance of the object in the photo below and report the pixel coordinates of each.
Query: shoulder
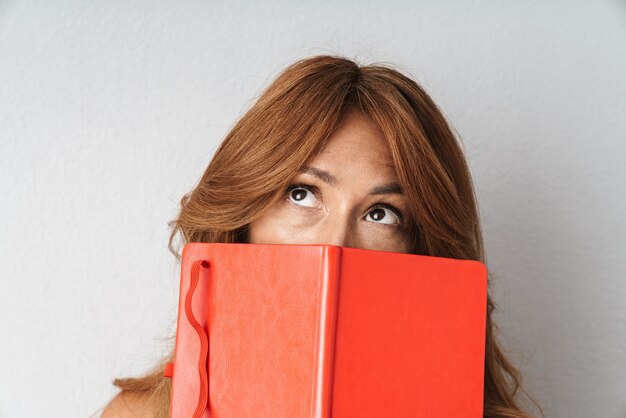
column 126, row 405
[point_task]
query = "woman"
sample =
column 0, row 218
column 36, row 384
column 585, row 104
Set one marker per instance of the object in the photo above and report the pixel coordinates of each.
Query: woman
column 334, row 153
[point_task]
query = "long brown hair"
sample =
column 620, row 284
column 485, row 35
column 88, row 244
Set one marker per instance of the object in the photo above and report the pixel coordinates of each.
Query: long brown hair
column 287, row 126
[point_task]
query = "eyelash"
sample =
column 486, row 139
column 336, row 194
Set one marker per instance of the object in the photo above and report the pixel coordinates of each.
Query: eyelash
column 315, row 191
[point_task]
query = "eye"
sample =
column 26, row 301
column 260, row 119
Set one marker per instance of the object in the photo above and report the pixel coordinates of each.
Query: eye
column 385, row 214
column 302, row 195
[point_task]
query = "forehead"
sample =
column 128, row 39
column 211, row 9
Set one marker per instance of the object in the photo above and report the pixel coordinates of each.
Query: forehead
column 358, row 144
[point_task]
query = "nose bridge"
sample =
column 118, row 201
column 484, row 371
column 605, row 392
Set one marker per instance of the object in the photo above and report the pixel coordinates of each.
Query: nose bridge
column 337, row 230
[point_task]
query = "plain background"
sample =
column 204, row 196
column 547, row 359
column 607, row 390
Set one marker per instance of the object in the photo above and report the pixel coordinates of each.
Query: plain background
column 110, row 112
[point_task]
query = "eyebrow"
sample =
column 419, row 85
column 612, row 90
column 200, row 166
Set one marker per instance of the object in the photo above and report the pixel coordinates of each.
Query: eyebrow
column 326, row 177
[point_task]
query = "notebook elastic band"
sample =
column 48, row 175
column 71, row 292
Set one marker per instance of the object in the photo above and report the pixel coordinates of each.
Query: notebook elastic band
column 204, row 340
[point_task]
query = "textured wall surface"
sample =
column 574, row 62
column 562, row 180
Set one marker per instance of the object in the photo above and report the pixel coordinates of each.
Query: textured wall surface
column 110, row 111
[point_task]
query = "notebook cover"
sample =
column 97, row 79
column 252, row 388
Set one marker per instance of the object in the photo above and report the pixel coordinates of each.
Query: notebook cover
column 318, row 331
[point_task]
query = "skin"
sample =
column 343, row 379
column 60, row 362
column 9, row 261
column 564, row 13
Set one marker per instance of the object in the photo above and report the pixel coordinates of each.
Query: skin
column 337, row 207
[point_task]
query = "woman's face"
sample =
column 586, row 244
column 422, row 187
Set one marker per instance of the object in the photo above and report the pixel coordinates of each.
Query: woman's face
column 348, row 195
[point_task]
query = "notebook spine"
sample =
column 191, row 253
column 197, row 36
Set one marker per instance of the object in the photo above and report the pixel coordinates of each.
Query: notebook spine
column 326, row 332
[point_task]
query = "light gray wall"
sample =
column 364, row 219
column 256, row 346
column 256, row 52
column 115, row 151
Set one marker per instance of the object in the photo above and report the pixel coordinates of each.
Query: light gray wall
column 110, row 111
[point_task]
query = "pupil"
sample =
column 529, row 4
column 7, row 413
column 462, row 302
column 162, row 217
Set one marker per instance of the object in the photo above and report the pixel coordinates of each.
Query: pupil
column 298, row 194
column 378, row 214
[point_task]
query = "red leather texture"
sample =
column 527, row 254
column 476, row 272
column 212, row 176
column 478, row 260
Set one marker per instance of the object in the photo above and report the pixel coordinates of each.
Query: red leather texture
column 319, row 331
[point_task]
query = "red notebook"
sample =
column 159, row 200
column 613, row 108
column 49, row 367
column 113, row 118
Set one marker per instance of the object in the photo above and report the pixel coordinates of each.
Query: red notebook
column 320, row 331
